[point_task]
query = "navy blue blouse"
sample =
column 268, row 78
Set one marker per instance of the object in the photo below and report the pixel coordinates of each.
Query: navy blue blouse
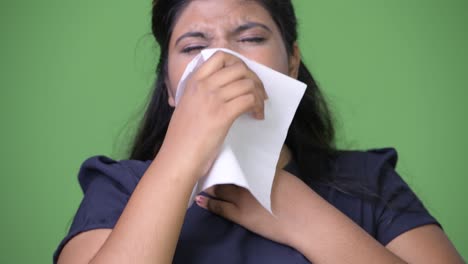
column 207, row 238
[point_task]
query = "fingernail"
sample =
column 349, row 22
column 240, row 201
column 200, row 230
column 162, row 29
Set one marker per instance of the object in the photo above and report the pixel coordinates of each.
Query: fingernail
column 261, row 115
column 201, row 200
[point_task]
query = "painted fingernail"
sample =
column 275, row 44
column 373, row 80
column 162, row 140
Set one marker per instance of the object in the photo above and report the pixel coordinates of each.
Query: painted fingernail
column 201, row 200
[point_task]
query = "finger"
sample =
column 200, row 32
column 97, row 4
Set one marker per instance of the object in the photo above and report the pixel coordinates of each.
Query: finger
column 229, row 74
column 240, row 105
column 227, row 192
column 223, row 68
column 216, row 62
column 235, row 72
column 236, row 89
column 225, row 209
column 238, row 72
column 254, row 76
column 240, row 88
column 244, row 104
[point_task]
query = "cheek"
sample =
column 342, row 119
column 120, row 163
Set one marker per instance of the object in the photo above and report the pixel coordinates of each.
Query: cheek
column 273, row 58
column 277, row 63
column 281, row 64
column 175, row 70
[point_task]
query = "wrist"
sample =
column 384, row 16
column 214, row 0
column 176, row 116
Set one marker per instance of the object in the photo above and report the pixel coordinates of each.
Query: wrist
column 180, row 165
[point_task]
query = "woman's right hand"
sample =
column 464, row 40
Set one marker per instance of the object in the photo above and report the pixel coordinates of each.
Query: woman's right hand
column 216, row 94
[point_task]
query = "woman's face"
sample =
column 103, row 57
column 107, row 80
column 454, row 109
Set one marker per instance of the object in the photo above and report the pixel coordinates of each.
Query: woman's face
column 242, row 26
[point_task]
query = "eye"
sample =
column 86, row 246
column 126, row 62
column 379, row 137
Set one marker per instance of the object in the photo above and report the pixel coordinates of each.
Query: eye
column 190, row 49
column 253, row 39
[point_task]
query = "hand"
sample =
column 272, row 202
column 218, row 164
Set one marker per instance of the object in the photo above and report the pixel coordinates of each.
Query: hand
column 288, row 204
column 216, row 94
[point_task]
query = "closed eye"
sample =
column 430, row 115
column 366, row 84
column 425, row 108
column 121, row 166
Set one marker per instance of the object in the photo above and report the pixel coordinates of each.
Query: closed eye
column 253, row 39
column 192, row 48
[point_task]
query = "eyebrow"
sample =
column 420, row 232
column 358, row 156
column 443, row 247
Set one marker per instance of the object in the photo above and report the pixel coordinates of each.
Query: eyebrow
column 238, row 30
column 250, row 25
column 191, row 34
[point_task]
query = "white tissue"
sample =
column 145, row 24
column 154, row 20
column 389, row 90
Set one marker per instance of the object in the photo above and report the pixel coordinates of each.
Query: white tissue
column 251, row 150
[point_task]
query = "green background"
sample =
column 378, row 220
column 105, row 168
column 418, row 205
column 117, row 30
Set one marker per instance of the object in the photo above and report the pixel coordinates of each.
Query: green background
column 75, row 75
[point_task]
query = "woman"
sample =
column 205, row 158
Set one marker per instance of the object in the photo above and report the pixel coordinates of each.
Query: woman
column 331, row 206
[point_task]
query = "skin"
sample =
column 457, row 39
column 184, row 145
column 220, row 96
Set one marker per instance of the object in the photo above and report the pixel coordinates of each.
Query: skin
column 221, row 90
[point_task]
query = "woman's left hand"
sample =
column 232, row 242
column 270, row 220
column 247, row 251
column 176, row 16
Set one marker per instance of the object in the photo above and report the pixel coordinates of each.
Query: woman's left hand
column 238, row 205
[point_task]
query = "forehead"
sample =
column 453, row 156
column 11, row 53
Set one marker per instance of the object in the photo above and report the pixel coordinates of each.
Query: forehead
column 212, row 14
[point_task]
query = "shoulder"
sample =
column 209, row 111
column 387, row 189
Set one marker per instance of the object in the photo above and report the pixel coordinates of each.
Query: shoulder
column 370, row 161
column 368, row 180
column 372, row 174
column 100, row 168
column 372, row 168
column 358, row 175
column 107, row 185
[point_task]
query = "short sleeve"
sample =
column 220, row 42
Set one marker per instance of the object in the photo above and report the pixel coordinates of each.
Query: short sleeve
column 399, row 209
column 107, row 185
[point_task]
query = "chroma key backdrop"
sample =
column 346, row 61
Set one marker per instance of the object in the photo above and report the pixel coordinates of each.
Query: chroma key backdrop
column 75, row 76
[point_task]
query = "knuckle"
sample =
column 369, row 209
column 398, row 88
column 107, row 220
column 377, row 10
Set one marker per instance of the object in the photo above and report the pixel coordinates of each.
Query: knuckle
column 239, row 64
column 250, row 83
column 259, row 83
column 215, row 208
column 232, row 60
column 221, row 55
column 251, row 99
column 238, row 68
column 216, row 190
column 218, row 54
column 202, row 86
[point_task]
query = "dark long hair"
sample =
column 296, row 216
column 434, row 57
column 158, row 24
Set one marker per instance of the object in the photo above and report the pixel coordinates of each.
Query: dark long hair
column 311, row 134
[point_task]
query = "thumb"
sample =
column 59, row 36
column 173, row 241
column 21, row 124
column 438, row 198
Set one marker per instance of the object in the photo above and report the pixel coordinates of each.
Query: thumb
column 222, row 208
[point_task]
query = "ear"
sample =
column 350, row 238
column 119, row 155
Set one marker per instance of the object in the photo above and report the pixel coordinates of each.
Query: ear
column 171, row 97
column 294, row 61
